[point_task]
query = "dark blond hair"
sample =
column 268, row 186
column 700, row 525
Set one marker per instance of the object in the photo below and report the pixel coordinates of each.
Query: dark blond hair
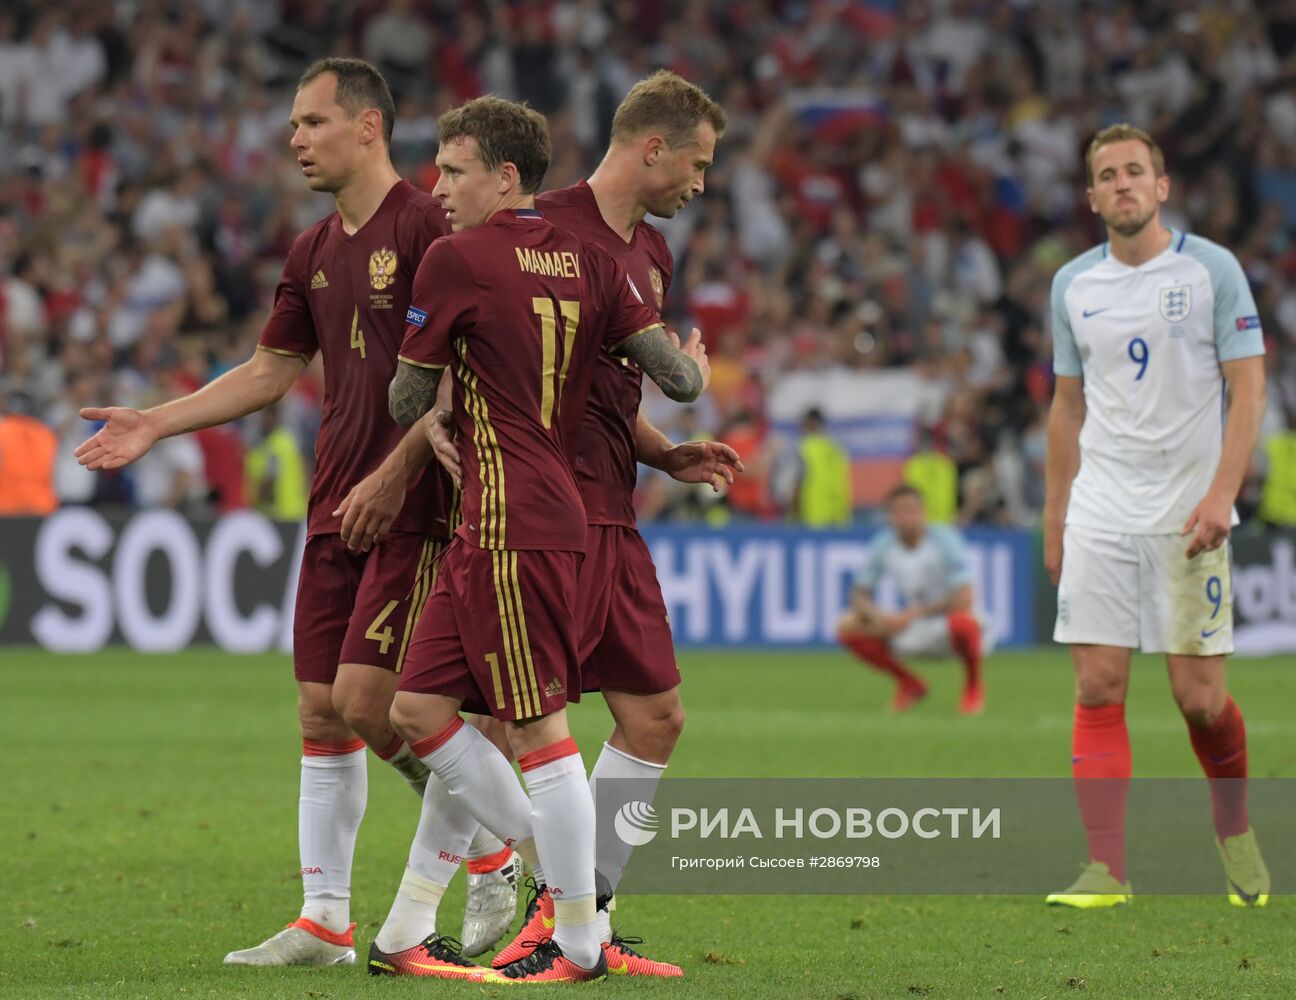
column 359, row 87
column 506, row 132
column 1123, row 132
column 667, row 103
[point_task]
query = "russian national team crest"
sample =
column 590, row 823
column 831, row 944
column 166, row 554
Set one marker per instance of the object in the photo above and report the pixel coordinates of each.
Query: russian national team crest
column 659, row 289
column 382, row 268
column 1176, row 303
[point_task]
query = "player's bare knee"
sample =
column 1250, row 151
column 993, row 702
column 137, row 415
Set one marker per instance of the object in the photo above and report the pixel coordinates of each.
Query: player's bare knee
column 652, row 729
column 364, row 710
column 315, row 712
column 362, row 697
column 1100, row 690
column 494, row 730
column 656, row 742
column 1099, row 683
column 526, row 735
column 404, row 720
column 1200, row 705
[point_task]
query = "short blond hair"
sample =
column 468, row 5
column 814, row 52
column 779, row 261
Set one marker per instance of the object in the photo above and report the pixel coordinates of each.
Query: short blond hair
column 667, row 103
column 1123, row 132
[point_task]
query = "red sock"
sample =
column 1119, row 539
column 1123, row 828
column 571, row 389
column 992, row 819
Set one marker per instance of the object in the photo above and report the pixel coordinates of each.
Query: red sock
column 965, row 637
column 1100, row 750
column 1222, row 750
column 874, row 651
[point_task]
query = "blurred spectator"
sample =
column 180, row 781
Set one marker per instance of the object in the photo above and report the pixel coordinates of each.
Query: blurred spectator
column 823, row 491
column 276, row 475
column 749, row 496
column 1278, row 497
column 26, row 461
column 935, row 477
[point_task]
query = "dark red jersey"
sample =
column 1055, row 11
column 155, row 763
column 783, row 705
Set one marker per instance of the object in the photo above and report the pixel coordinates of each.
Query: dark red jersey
column 346, row 296
column 603, row 450
column 520, row 310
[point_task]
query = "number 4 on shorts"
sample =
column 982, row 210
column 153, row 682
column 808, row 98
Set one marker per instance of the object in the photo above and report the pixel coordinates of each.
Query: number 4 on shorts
column 385, row 637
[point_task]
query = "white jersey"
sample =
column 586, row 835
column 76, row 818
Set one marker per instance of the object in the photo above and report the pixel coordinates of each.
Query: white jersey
column 1148, row 342
column 928, row 573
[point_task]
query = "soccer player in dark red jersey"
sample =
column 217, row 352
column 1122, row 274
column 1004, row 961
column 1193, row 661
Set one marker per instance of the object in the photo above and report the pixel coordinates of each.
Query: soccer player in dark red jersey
column 663, row 139
column 344, row 292
column 520, row 310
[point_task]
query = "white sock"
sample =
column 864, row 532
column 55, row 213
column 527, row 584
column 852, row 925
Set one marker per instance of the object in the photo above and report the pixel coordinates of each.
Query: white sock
column 612, row 854
column 407, row 765
column 484, row 844
column 531, row 860
column 481, row 780
column 603, row 921
column 562, row 818
column 444, row 831
column 334, row 786
column 412, row 916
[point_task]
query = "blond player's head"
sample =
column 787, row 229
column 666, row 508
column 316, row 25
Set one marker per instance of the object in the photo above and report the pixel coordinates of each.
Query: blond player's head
column 1127, row 182
column 668, row 128
column 493, row 154
column 342, row 119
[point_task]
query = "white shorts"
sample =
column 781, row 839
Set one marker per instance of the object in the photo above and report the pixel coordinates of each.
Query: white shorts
column 930, row 637
column 1142, row 592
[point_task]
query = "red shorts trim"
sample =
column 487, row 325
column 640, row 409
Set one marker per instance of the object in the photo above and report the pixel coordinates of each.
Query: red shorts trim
column 360, row 607
column 626, row 640
column 499, row 632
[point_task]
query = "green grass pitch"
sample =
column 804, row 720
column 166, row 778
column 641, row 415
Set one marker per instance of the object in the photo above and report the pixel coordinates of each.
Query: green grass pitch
column 148, row 811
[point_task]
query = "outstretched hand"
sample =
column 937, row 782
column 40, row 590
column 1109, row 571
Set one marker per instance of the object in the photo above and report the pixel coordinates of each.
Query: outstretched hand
column 125, row 436
column 702, row 462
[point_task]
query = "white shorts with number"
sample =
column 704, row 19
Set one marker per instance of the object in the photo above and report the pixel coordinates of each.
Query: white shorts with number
column 1143, row 592
column 931, row 637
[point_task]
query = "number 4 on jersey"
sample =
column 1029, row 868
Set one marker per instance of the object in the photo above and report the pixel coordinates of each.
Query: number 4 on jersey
column 357, row 335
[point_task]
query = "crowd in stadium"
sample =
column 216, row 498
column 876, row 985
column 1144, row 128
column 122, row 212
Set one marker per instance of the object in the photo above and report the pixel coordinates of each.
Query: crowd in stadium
column 904, row 210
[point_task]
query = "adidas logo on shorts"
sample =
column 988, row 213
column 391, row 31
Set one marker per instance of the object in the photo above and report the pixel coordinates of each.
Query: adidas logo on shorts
column 554, row 688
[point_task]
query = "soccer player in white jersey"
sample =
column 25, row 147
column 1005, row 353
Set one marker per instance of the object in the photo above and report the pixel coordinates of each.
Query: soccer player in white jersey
column 928, row 565
column 1149, row 329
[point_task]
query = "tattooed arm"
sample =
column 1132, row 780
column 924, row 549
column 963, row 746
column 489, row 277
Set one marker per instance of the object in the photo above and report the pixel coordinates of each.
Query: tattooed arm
column 412, row 392
column 673, row 368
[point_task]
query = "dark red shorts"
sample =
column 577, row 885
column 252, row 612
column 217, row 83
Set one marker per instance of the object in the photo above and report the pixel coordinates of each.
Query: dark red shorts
column 360, row 607
column 499, row 632
column 625, row 636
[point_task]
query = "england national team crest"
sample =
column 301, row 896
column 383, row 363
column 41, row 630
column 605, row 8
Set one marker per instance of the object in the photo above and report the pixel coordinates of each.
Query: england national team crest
column 659, row 289
column 1176, row 303
column 382, row 268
